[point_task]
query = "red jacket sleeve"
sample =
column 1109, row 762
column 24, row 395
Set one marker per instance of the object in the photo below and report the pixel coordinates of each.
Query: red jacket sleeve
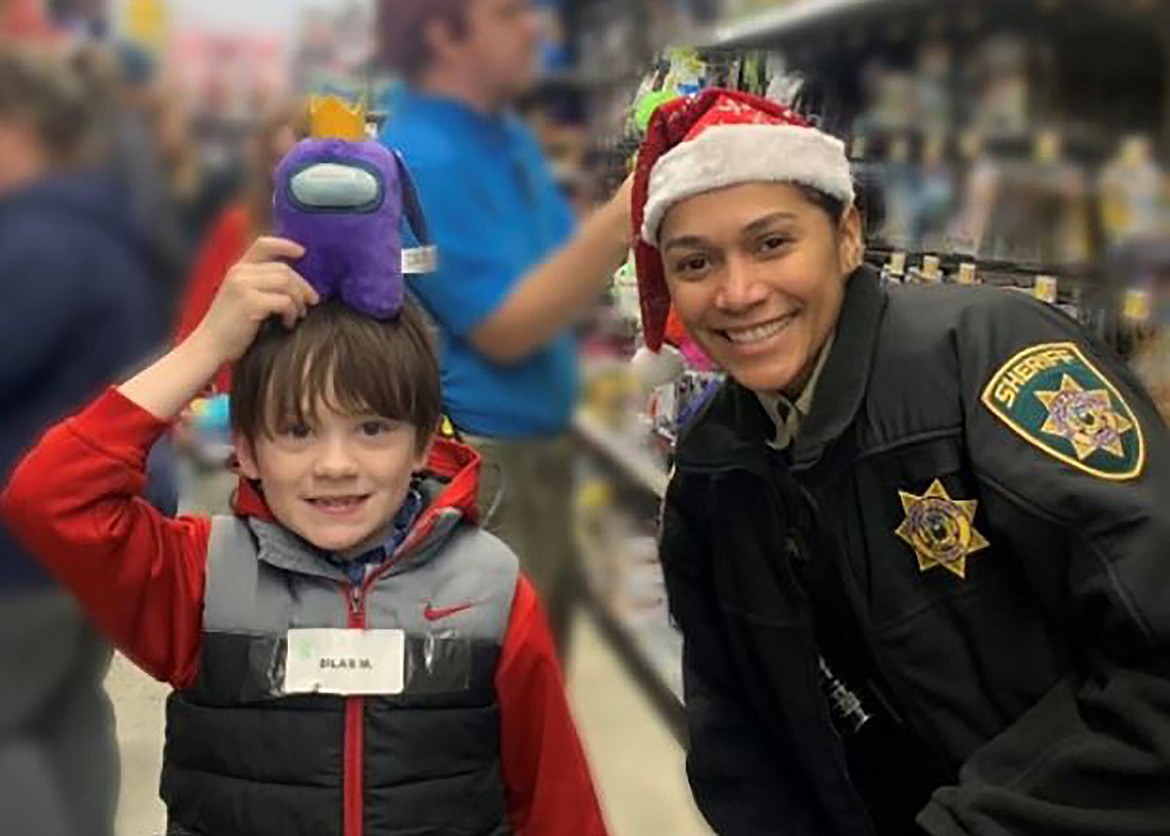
column 222, row 248
column 550, row 791
column 75, row 503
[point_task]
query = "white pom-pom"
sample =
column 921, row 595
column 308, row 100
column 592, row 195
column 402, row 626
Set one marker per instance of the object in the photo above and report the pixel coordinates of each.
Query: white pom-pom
column 654, row 369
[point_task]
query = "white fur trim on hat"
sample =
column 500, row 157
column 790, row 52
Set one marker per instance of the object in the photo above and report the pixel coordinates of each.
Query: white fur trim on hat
column 727, row 155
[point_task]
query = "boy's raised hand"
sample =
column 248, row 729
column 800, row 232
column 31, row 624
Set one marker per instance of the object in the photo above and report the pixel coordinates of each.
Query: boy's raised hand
column 260, row 285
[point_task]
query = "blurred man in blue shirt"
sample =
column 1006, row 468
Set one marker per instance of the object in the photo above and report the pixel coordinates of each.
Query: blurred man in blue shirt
column 513, row 275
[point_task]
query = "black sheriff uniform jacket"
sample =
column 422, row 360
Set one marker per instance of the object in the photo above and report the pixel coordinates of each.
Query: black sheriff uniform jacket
column 967, row 546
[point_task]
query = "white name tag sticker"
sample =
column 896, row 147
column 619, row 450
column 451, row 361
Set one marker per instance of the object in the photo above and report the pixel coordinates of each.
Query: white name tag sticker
column 419, row 260
column 345, row 662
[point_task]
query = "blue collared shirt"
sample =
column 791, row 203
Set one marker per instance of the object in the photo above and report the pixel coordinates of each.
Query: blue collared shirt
column 495, row 213
column 358, row 568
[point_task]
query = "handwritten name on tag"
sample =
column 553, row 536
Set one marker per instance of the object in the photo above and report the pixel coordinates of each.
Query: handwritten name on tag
column 345, row 662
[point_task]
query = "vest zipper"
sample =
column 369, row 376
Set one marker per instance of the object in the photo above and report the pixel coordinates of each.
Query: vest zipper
column 353, row 778
column 353, row 768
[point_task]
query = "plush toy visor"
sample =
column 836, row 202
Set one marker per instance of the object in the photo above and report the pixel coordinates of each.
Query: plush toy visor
column 344, row 198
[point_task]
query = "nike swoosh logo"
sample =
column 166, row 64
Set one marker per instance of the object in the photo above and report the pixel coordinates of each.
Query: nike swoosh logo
column 432, row 614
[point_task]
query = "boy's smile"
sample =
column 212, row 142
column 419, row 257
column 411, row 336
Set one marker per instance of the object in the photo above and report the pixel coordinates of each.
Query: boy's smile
column 337, row 479
column 339, row 506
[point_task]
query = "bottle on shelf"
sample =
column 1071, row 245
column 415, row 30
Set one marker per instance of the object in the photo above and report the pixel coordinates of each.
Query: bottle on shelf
column 929, row 273
column 1046, row 289
column 894, row 272
column 1134, row 193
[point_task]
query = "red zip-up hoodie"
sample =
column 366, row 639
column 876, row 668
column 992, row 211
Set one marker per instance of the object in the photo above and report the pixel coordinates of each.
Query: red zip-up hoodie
column 75, row 502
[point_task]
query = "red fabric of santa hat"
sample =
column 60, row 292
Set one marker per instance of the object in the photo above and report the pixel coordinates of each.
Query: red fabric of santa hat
column 715, row 139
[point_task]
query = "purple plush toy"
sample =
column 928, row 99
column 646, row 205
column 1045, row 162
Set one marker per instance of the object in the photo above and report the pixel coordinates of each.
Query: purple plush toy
column 343, row 201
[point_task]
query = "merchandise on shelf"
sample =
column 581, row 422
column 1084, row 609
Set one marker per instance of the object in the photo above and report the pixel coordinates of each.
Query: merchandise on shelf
column 624, row 575
column 1152, row 364
column 894, row 271
column 1135, row 194
column 1046, row 289
column 209, row 423
column 1034, row 212
column 1003, row 94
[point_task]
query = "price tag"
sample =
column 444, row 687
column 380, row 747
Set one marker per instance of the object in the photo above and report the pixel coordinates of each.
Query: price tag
column 419, row 260
column 1138, row 306
column 898, row 263
column 930, row 268
column 1045, row 289
column 1048, row 147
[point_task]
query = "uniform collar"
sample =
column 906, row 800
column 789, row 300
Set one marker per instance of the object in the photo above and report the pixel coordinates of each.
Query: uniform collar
column 734, row 429
column 845, row 377
column 787, row 414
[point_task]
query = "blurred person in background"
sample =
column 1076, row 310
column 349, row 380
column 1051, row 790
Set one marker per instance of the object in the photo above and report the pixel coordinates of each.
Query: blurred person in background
column 513, row 277
column 196, row 190
column 238, row 225
column 242, row 221
column 78, row 311
column 136, row 102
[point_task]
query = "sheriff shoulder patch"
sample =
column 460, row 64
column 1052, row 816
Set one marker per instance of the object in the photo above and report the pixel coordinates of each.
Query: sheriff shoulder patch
column 1054, row 398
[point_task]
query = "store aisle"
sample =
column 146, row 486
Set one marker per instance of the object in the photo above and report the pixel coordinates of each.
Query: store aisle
column 138, row 705
column 638, row 766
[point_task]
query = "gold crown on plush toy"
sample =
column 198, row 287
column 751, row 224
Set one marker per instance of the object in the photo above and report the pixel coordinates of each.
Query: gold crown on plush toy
column 332, row 118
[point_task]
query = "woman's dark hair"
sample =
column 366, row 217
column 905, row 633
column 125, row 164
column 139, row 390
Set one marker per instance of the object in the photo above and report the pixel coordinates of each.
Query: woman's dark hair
column 832, row 206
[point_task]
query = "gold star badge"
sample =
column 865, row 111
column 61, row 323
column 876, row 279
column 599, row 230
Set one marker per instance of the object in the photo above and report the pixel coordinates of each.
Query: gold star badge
column 941, row 530
column 1086, row 418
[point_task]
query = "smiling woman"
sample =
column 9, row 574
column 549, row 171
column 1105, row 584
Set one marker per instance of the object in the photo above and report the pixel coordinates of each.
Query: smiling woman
column 757, row 274
column 859, row 529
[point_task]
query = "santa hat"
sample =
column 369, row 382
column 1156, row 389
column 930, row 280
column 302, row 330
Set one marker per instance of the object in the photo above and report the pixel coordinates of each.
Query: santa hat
column 715, row 139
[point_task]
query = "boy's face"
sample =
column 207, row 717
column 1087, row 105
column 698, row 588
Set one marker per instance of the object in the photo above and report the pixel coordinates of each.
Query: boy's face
column 336, row 481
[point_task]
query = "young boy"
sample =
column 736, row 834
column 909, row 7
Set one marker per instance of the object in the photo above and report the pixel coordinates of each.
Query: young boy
column 351, row 656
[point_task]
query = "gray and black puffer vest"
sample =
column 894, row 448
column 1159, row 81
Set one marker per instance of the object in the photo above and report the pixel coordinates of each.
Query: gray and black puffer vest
column 243, row 759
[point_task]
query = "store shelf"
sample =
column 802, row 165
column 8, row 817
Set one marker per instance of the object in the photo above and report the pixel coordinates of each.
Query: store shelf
column 777, row 24
column 801, row 18
column 638, row 465
column 579, row 79
column 650, row 651
column 640, row 659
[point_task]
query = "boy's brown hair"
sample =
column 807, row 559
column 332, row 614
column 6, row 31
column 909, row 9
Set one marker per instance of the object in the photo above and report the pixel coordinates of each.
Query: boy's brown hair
column 344, row 359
